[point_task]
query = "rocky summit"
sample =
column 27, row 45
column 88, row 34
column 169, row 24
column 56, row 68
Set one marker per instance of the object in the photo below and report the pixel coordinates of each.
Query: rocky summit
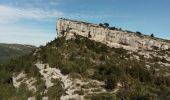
column 110, row 36
column 90, row 62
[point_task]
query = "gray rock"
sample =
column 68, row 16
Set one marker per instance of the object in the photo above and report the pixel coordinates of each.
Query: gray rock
column 113, row 38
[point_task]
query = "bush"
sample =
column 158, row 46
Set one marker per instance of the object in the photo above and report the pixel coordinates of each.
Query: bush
column 139, row 33
column 100, row 24
column 152, row 35
column 106, row 24
column 101, row 96
column 140, row 73
column 112, row 28
column 56, row 91
column 110, row 82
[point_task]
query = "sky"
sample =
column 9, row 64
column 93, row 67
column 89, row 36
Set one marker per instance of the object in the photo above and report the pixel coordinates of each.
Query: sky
column 34, row 21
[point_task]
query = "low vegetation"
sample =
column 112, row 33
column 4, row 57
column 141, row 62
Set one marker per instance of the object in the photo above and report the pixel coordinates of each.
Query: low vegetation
column 93, row 60
column 111, row 65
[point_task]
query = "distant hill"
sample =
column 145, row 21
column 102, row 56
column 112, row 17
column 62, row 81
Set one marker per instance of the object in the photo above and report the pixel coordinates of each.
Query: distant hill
column 8, row 51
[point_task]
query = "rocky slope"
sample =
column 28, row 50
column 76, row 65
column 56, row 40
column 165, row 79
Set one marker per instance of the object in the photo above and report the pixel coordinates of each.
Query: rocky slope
column 82, row 69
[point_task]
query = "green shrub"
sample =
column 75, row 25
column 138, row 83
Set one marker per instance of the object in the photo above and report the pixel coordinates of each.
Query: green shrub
column 101, row 96
column 106, row 24
column 111, row 82
column 152, row 35
column 56, row 91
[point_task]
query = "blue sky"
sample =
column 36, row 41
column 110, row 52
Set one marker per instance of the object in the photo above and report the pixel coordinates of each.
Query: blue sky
column 34, row 21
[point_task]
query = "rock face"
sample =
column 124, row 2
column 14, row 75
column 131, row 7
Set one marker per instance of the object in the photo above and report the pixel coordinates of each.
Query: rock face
column 111, row 37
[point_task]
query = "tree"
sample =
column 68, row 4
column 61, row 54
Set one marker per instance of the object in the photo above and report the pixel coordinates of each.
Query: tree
column 100, row 24
column 106, row 24
column 89, row 35
column 112, row 28
column 152, row 35
column 139, row 33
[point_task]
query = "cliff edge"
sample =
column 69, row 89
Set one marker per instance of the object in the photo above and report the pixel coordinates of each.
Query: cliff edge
column 111, row 37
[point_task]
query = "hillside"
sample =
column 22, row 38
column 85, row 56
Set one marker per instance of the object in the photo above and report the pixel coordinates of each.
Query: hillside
column 8, row 51
column 83, row 69
column 90, row 62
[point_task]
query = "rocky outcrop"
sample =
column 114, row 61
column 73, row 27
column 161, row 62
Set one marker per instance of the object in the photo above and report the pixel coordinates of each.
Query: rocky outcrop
column 70, row 85
column 22, row 79
column 111, row 37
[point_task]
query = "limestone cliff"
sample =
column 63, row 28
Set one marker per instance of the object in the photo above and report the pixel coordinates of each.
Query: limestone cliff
column 113, row 38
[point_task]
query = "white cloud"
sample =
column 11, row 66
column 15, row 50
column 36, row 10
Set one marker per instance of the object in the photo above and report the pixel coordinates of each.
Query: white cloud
column 25, row 35
column 12, row 31
column 12, row 14
column 34, row 3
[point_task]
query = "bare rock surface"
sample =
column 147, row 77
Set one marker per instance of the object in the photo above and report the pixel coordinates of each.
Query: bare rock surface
column 113, row 38
column 22, row 79
column 70, row 85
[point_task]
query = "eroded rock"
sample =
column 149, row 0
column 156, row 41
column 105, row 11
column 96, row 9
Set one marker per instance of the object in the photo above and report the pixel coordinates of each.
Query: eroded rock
column 113, row 38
